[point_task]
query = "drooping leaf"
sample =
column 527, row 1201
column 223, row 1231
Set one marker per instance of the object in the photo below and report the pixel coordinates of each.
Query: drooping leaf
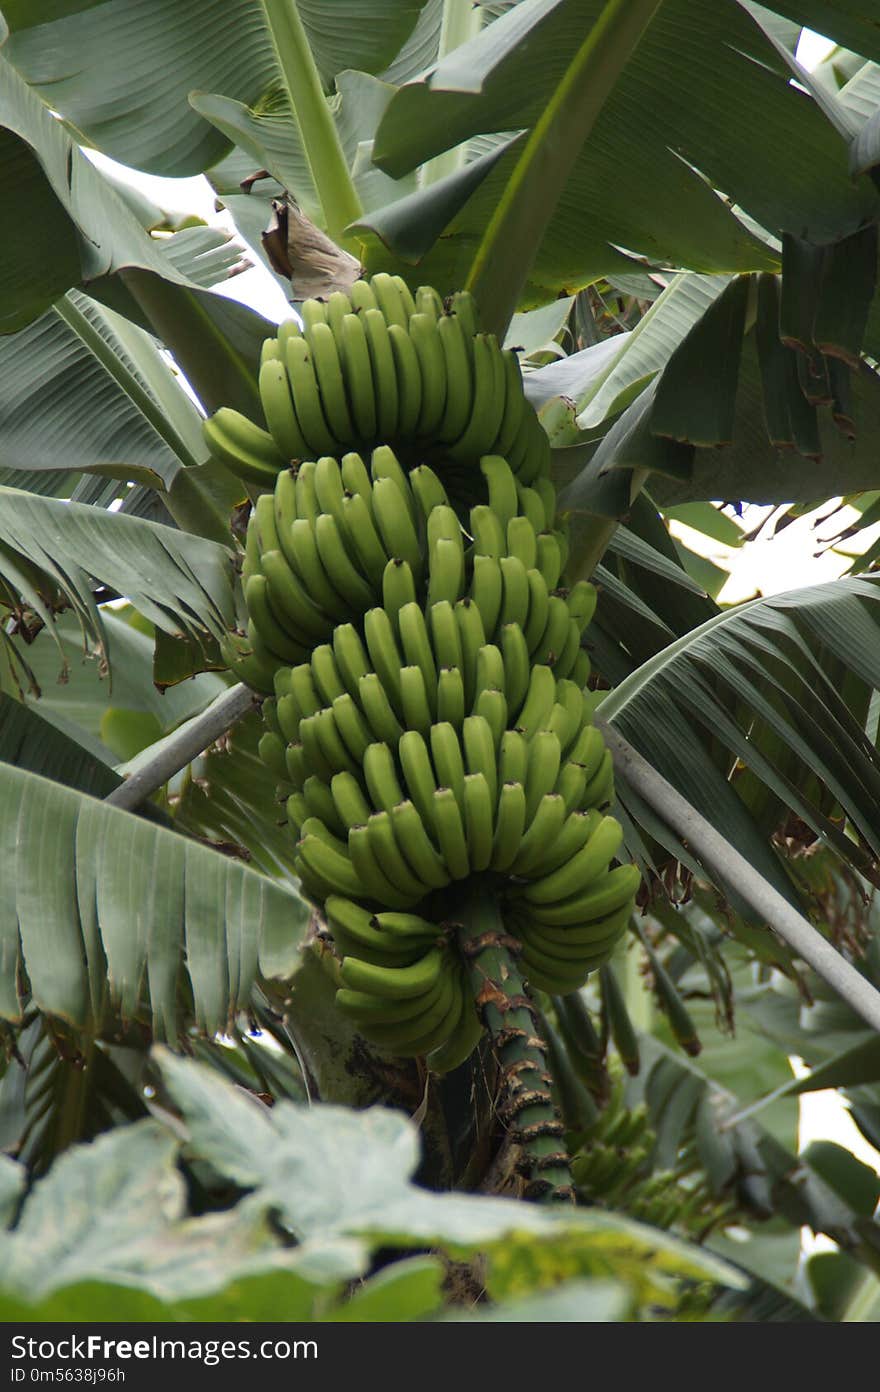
column 182, row 583
column 104, row 915
column 765, row 665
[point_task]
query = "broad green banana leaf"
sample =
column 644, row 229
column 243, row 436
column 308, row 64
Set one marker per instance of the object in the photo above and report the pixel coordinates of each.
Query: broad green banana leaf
column 84, row 386
column 781, row 160
column 64, row 225
column 79, row 692
column 107, row 917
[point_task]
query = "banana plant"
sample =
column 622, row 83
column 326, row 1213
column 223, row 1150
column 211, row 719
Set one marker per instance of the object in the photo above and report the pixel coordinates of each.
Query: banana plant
column 505, row 149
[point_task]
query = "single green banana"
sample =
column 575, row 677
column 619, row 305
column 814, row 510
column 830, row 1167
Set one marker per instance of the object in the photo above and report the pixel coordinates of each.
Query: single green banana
column 416, row 644
column 416, row 710
column 515, row 592
column 600, row 788
column 392, row 862
column 356, row 733
column 564, row 664
column 522, row 542
column 389, row 299
column 549, row 557
column 473, row 637
column 514, row 404
column 270, row 748
column 362, row 388
column 553, row 639
column 362, row 298
column 581, row 601
column 450, row 697
column 450, row 833
column 427, row 489
column 245, row 448
column 398, row 588
column 539, row 702
column 306, row 497
column 385, row 726
column 478, row 743
column 351, row 657
column 395, row 525
column 418, row 773
column 352, row 808
column 387, row 404
column 432, row 365
column 532, row 507
column 330, row 379
column 417, row 846
column 515, row 655
column 487, row 590
column 543, row 769
column 459, row 378
column 329, row 489
column 510, row 823
column 481, row 432
column 340, row 570
column 487, row 532
column 328, row 864
column 409, row 381
column 325, row 673
column 478, row 820
column 312, row 311
column 338, row 305
column 545, row 826
column 385, row 655
column 447, row 758
column 445, row 636
column 491, row 706
column 539, row 610
column 402, row 983
column 278, row 409
column 307, row 400
column 380, row 773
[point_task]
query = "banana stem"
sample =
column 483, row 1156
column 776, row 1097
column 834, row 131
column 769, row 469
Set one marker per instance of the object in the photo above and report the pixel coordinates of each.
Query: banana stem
column 323, row 148
column 180, row 748
column 525, row 1104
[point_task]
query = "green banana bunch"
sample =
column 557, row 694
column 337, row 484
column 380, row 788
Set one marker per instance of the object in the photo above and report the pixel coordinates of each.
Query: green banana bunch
column 404, row 986
column 334, row 539
column 384, row 365
column 612, row 1167
column 422, row 661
